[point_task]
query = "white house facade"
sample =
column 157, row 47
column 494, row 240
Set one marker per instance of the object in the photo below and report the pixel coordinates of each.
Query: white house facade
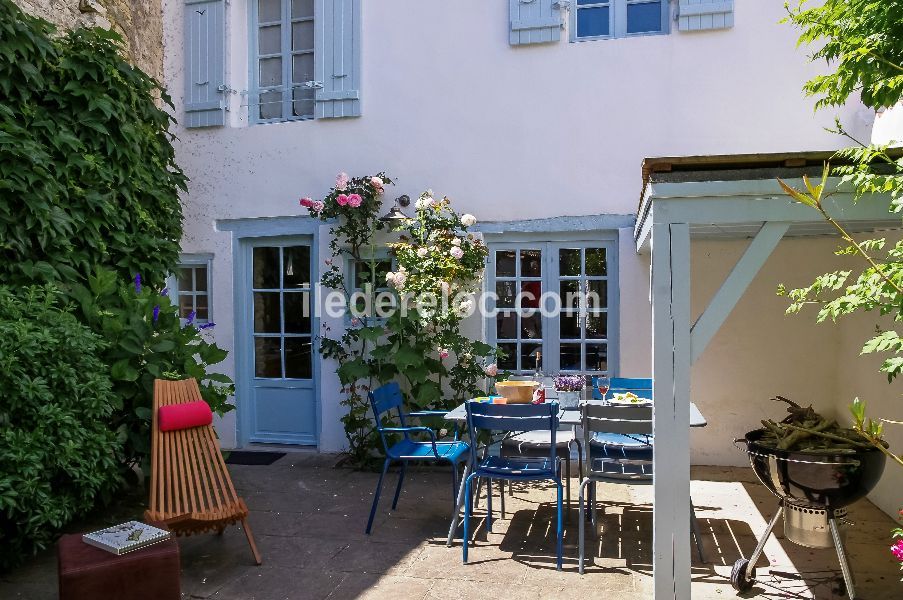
column 533, row 115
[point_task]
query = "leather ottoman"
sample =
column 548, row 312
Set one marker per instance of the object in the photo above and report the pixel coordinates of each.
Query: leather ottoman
column 89, row 573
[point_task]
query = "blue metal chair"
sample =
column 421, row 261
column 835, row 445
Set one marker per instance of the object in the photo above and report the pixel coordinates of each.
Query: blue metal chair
column 387, row 398
column 640, row 386
column 507, row 418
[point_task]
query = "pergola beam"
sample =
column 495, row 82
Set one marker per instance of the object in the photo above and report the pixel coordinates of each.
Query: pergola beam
column 734, row 286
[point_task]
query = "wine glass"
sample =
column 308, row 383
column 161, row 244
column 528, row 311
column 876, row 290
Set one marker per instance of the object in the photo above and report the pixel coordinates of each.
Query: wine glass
column 602, row 384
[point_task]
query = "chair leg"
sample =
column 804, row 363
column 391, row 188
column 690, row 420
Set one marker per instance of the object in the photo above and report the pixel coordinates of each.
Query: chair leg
column 567, row 472
column 579, row 459
column 582, row 522
column 488, row 505
column 454, row 483
column 250, row 536
column 404, row 466
column 560, row 533
column 468, row 508
column 502, row 495
column 593, row 506
column 379, row 488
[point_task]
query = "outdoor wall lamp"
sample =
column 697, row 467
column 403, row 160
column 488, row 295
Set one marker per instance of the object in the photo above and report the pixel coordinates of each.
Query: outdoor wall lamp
column 395, row 216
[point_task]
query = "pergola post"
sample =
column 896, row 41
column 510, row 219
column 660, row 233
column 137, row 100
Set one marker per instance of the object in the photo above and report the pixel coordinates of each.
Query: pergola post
column 671, row 410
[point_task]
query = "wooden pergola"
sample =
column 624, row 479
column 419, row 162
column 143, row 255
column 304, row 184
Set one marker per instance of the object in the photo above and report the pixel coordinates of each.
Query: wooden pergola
column 723, row 197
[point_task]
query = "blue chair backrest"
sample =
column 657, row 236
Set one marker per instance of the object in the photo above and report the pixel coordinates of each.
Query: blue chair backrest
column 382, row 400
column 640, row 386
column 511, row 417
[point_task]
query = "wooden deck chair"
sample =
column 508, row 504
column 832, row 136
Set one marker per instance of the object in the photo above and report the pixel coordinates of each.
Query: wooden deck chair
column 191, row 490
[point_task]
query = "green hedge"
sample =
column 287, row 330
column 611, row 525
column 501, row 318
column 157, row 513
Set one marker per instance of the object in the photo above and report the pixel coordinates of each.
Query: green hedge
column 87, row 170
column 58, row 455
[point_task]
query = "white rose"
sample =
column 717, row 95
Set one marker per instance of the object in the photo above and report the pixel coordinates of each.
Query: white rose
column 424, row 202
column 390, row 277
column 456, row 242
column 468, row 220
column 422, row 252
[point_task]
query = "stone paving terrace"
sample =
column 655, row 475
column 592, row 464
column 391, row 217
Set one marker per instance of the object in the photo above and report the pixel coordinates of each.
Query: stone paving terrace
column 309, row 521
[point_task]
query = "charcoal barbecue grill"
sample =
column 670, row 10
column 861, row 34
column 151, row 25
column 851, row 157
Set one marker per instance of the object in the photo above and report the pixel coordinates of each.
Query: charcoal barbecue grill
column 813, row 490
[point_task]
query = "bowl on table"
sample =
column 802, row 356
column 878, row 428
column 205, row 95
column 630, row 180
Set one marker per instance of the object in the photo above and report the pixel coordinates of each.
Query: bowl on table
column 516, row 392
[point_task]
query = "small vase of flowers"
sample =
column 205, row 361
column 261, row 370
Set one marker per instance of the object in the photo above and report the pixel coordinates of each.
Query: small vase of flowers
column 569, row 388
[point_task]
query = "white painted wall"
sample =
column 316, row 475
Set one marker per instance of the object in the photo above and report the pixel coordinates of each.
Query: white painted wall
column 508, row 133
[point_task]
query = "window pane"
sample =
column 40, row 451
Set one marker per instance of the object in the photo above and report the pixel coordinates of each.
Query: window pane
column 504, row 263
column 582, row 2
column 595, row 262
column 303, row 69
column 303, row 38
column 302, row 8
column 597, row 326
column 505, row 291
column 186, row 305
column 570, row 326
column 509, row 361
column 271, row 105
column 531, row 327
column 506, row 326
column 303, row 102
column 296, row 261
column 598, row 294
column 266, row 312
column 362, row 273
column 266, row 268
column 200, row 279
column 297, row 312
column 200, row 303
column 592, row 21
column 528, row 356
column 570, row 294
column 570, row 357
column 530, row 291
column 269, row 40
column 644, row 17
column 569, row 262
column 298, row 358
column 596, row 357
column 185, row 281
column 267, row 357
column 270, row 72
column 530, row 263
column 269, row 10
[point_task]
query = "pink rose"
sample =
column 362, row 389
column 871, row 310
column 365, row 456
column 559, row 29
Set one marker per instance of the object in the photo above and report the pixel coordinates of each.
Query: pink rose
column 317, row 206
column 354, row 200
column 377, row 184
column 306, row 202
column 456, row 252
column 443, row 353
column 341, row 181
column 897, row 550
column 342, row 199
column 491, row 370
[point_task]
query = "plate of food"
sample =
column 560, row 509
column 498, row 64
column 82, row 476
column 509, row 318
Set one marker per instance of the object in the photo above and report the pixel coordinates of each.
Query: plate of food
column 628, row 399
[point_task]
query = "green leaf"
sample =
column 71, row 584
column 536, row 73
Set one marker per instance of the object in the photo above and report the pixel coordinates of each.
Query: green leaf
column 164, row 346
column 406, row 357
column 353, row 370
column 123, row 371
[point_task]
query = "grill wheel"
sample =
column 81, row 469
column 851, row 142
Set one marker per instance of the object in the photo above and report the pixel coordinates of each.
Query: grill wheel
column 742, row 576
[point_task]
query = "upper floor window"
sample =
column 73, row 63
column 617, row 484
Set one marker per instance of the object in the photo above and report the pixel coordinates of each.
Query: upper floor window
column 189, row 287
column 283, row 60
column 596, row 19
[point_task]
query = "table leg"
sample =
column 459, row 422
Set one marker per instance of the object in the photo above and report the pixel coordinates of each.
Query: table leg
column 457, row 514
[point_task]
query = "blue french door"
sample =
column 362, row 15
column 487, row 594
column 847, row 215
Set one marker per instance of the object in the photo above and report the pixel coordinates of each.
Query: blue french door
column 278, row 304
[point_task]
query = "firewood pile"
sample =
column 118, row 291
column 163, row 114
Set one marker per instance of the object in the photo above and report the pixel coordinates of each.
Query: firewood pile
column 804, row 430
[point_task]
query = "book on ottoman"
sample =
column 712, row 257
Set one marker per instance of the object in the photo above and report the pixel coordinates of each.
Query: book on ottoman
column 126, row 537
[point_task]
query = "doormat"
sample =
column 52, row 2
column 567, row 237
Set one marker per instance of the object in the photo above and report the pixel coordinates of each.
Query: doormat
column 253, row 458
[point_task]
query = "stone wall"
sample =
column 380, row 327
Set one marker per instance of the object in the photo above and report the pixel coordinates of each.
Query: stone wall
column 140, row 22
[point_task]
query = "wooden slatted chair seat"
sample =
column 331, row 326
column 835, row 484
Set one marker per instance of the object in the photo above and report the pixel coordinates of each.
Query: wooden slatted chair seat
column 191, row 490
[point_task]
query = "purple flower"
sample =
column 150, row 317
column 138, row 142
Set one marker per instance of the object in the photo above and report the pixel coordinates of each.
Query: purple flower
column 156, row 313
column 137, row 283
column 207, row 325
column 569, row 383
column 190, row 318
column 165, row 292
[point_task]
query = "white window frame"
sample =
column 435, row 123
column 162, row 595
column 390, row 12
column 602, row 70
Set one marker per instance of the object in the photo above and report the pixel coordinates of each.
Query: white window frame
column 172, row 283
column 617, row 19
column 551, row 342
column 286, row 54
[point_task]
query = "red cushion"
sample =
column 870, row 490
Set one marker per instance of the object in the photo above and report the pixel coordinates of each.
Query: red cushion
column 183, row 416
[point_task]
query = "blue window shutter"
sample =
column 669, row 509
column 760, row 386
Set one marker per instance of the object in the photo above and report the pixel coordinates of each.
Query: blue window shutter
column 534, row 21
column 205, row 63
column 337, row 57
column 703, row 15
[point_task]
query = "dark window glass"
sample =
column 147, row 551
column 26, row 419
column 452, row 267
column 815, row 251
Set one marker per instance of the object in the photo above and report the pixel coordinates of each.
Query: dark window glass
column 531, row 327
column 569, row 262
column 531, row 263
column 200, row 279
column 266, row 268
column 506, row 326
column 592, row 22
column 570, row 357
column 296, row 262
column 531, row 292
column 570, row 326
column 298, row 358
column 596, row 326
column 185, row 280
column 200, row 303
column 267, row 357
column 508, row 362
column 266, row 312
column 297, row 312
column 595, row 262
column 505, row 263
column 505, row 291
column 363, row 274
column 528, row 353
column 644, row 17
column 570, row 294
column 596, row 357
column 186, row 305
column 598, row 294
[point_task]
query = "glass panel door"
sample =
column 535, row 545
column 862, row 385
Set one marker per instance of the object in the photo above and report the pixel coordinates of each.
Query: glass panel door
column 583, row 323
column 519, row 285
